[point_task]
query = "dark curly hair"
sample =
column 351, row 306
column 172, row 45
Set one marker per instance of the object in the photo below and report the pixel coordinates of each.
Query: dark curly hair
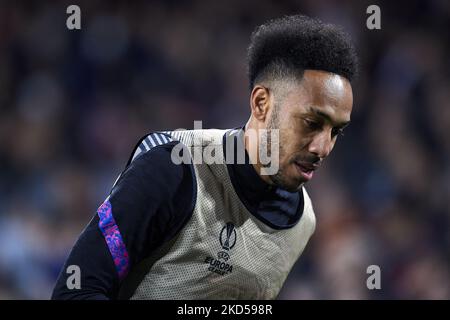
column 287, row 46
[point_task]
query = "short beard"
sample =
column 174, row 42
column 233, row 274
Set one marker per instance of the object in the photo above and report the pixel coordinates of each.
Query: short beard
column 278, row 178
column 266, row 136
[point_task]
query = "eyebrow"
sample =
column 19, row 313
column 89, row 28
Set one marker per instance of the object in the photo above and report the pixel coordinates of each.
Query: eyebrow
column 326, row 116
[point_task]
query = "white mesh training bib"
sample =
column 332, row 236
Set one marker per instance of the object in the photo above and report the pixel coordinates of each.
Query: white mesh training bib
column 223, row 252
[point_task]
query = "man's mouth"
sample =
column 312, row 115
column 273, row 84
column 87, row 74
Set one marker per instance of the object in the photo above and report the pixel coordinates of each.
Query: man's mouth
column 305, row 169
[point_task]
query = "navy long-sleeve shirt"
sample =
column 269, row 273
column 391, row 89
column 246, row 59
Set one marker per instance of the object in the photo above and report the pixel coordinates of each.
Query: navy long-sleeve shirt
column 150, row 203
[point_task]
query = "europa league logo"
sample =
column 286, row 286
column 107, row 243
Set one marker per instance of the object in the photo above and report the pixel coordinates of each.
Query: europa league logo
column 228, row 236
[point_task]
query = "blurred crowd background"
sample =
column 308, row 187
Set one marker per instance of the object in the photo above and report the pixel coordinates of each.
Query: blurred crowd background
column 74, row 103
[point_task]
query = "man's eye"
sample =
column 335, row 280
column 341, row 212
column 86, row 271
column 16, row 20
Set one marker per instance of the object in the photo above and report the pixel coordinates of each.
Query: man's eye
column 337, row 131
column 313, row 125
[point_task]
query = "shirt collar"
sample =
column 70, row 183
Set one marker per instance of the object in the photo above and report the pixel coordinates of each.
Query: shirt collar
column 275, row 206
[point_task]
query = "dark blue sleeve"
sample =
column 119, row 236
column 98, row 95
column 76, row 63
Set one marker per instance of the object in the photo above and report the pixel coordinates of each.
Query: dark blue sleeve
column 152, row 200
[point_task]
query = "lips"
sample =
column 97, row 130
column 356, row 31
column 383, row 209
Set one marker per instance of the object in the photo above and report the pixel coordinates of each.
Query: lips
column 307, row 166
column 306, row 169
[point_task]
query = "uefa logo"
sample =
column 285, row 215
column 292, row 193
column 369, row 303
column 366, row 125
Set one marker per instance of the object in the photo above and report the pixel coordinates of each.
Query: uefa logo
column 228, row 236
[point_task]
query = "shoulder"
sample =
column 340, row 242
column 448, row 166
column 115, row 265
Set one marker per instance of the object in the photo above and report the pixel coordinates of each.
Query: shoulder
column 153, row 141
column 153, row 156
column 152, row 175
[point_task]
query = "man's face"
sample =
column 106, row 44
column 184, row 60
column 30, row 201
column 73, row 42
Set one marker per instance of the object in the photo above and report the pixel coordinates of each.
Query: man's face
column 310, row 116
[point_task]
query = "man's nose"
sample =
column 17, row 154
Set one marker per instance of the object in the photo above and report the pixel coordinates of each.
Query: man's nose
column 321, row 145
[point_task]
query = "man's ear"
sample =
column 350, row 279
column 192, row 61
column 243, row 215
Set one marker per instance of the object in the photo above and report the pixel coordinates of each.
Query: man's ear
column 260, row 102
